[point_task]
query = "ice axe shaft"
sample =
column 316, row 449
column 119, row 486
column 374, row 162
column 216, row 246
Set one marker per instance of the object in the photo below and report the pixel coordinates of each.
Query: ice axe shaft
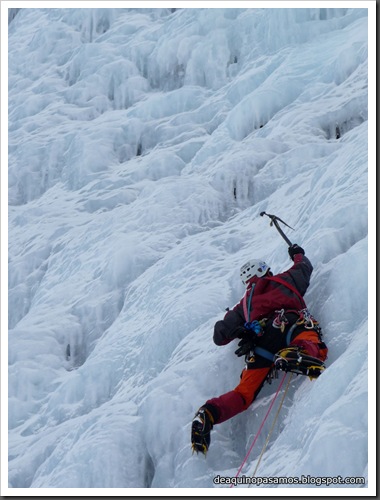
column 275, row 220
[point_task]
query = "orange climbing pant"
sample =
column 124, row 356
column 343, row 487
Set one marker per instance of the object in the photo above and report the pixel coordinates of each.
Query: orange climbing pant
column 250, row 384
column 310, row 342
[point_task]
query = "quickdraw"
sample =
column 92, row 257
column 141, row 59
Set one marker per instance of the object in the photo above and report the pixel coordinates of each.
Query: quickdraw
column 280, row 321
column 307, row 320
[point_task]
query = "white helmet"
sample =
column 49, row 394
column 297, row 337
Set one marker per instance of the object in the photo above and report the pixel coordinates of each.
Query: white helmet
column 253, row 268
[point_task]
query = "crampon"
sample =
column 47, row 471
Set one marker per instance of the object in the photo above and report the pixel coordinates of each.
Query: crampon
column 292, row 359
column 200, row 431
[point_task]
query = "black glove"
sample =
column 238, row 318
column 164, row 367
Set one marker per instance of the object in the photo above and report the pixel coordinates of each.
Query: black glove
column 240, row 332
column 294, row 249
column 245, row 345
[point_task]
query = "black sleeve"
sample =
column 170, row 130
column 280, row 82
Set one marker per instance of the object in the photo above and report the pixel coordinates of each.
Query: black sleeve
column 228, row 328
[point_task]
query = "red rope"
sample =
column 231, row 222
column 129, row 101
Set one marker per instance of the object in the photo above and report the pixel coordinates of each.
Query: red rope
column 260, row 428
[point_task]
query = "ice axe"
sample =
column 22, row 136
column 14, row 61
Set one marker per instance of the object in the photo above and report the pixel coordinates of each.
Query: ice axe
column 275, row 220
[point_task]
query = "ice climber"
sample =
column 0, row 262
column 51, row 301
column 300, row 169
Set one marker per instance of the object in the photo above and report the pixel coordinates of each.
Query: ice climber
column 271, row 319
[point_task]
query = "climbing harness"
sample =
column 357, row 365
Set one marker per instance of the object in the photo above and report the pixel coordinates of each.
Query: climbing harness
column 305, row 320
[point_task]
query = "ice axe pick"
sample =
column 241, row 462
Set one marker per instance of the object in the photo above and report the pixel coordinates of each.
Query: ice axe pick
column 275, row 220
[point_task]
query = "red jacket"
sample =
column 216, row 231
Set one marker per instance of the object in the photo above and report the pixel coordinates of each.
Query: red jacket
column 267, row 297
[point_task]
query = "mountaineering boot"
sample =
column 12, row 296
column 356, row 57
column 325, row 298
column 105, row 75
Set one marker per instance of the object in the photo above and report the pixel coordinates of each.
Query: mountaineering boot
column 293, row 359
column 201, row 427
